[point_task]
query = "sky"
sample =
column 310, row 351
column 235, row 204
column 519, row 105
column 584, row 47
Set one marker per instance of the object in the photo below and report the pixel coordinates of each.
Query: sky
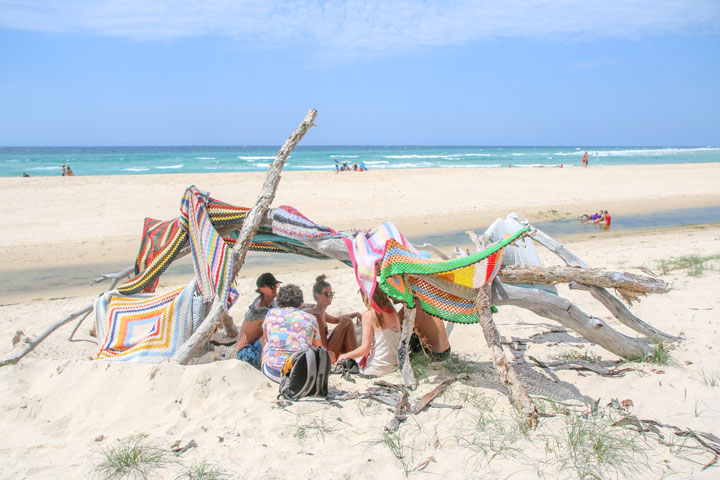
column 379, row 72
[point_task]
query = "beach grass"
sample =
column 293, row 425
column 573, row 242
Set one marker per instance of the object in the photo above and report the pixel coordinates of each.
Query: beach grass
column 694, row 264
column 205, row 470
column 135, row 458
column 660, row 355
column 315, row 427
column 574, row 355
column 591, row 447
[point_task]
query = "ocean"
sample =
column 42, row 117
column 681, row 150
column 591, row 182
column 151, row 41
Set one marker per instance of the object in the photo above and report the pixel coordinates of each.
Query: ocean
column 47, row 161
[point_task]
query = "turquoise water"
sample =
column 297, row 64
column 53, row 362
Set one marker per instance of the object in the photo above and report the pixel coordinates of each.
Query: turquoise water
column 47, row 161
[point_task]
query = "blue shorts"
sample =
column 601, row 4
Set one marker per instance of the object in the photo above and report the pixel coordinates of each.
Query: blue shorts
column 251, row 353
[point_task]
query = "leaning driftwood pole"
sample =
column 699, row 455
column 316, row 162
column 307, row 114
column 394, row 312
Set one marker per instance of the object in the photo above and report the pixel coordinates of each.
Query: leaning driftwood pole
column 250, row 225
column 506, row 373
column 616, row 307
column 34, row 343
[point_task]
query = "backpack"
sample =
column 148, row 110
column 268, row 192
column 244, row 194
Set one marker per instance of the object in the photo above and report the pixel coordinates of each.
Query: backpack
column 305, row 373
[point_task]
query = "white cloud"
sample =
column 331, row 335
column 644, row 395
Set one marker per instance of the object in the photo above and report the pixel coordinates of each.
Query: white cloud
column 373, row 25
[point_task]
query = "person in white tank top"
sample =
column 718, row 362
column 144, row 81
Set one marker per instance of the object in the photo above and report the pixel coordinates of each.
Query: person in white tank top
column 378, row 350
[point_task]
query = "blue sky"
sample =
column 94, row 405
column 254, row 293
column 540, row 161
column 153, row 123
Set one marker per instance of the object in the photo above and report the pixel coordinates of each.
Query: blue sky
column 220, row 72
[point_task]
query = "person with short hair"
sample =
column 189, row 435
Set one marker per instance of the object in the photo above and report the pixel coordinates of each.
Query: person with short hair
column 286, row 330
column 342, row 338
column 249, row 346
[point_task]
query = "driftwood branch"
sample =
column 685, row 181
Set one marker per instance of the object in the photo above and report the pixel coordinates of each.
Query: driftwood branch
column 588, row 276
column 408, row 325
column 615, row 306
column 115, row 277
column 624, row 315
column 506, row 373
column 12, row 359
column 565, row 312
column 250, row 226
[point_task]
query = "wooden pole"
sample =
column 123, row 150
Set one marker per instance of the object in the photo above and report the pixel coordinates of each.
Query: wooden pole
column 250, row 225
column 506, row 373
column 408, row 325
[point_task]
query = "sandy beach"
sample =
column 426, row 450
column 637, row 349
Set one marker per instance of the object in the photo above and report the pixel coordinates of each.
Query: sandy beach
column 60, row 409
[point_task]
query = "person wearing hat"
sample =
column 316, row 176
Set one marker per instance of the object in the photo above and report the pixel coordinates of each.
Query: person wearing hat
column 249, row 347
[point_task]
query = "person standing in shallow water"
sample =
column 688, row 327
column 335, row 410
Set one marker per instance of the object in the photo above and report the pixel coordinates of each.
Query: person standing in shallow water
column 585, row 159
column 249, row 346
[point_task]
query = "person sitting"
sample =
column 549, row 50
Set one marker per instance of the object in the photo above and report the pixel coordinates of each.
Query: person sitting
column 594, row 217
column 429, row 337
column 249, row 346
column 342, row 338
column 287, row 330
column 378, row 350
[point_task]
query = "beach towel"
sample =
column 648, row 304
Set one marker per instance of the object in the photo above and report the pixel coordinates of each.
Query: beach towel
column 402, row 271
column 146, row 328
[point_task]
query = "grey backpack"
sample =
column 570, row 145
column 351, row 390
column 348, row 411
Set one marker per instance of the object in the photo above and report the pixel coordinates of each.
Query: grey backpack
column 305, row 374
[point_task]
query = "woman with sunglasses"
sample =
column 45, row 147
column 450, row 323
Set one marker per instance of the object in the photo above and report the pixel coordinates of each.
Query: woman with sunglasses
column 342, row 338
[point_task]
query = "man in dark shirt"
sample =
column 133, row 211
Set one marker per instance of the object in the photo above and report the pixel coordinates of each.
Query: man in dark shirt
column 248, row 343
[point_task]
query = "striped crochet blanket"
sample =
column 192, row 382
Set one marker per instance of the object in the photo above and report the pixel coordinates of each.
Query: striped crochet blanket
column 162, row 241
column 404, row 273
column 147, row 328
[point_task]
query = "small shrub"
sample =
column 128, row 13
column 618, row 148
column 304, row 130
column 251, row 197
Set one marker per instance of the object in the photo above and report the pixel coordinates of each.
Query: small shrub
column 134, row 458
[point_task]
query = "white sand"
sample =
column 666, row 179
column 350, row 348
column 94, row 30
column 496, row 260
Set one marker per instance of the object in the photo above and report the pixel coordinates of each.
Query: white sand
column 57, row 403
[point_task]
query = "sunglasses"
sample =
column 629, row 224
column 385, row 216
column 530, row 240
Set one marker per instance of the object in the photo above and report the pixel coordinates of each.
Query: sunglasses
column 273, row 287
column 328, row 294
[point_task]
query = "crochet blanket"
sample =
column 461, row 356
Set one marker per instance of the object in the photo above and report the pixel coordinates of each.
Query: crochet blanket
column 212, row 259
column 146, row 328
column 162, row 241
column 402, row 271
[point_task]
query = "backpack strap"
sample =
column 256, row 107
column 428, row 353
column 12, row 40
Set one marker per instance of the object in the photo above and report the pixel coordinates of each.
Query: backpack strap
column 322, row 371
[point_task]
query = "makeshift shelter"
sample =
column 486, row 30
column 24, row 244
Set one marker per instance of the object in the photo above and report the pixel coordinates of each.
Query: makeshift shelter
column 133, row 324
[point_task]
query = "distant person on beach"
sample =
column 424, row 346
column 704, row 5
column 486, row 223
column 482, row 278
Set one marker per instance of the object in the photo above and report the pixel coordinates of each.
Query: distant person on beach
column 64, row 170
column 25, row 174
column 585, row 159
column 69, row 172
column 606, row 218
column 286, row 330
column 249, row 346
column 345, row 167
column 355, row 167
column 594, row 218
column 342, row 338
column 363, row 168
column 337, row 165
